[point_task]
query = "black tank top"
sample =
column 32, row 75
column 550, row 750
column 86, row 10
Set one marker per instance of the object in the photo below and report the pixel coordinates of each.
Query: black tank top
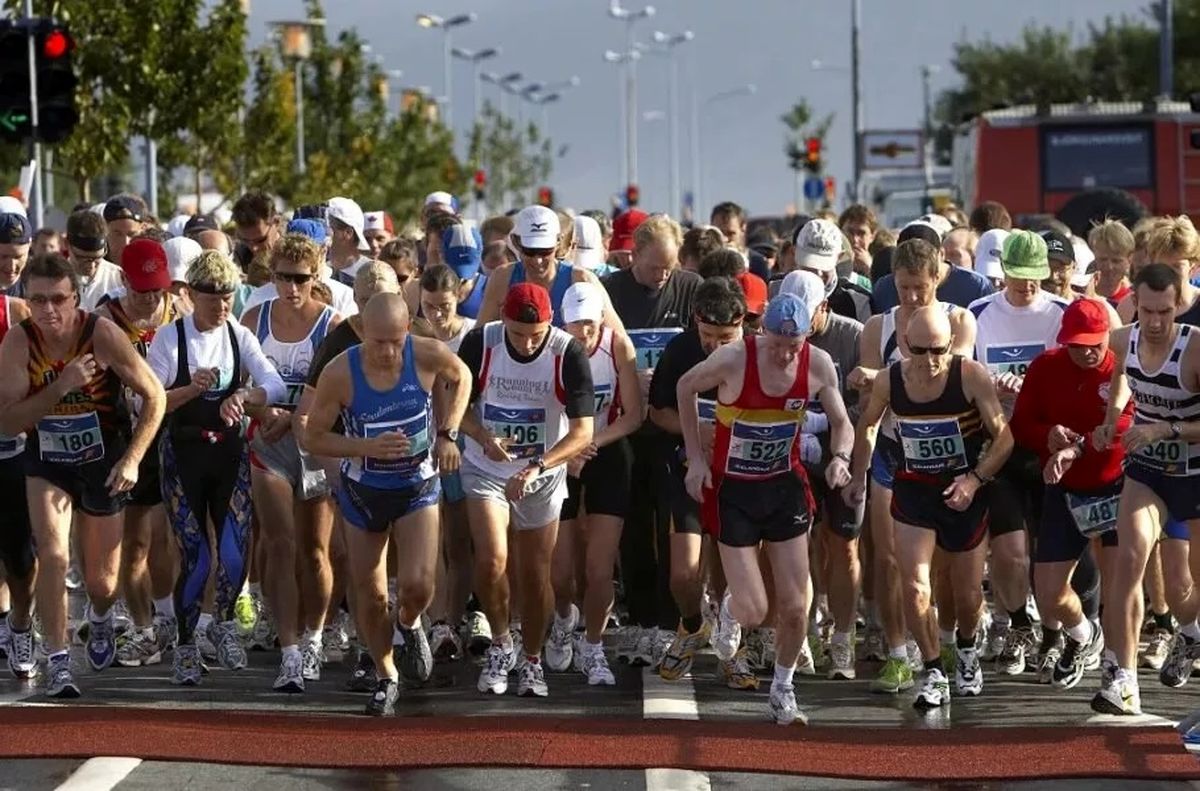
column 941, row 438
column 200, row 418
column 1191, row 315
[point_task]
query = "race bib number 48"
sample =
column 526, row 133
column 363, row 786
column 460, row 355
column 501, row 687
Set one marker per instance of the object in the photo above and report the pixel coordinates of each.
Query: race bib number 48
column 1094, row 516
column 932, row 447
column 70, row 439
column 524, row 428
column 1011, row 359
column 649, row 344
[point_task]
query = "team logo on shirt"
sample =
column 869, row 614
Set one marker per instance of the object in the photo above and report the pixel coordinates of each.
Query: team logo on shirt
column 919, row 429
column 794, row 404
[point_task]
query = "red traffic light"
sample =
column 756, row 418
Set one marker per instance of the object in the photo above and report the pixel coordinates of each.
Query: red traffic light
column 480, row 178
column 56, row 44
column 632, row 194
column 545, row 197
column 813, row 145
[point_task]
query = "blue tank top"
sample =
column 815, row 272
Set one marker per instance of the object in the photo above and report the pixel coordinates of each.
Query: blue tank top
column 406, row 407
column 470, row 306
column 558, row 289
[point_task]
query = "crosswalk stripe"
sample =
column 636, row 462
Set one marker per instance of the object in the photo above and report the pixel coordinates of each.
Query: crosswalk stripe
column 671, row 701
column 99, row 774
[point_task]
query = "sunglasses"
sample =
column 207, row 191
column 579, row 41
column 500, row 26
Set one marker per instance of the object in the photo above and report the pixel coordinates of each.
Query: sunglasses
column 918, row 351
column 295, row 278
column 537, row 252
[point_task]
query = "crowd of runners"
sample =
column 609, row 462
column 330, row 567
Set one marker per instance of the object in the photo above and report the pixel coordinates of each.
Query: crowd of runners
column 548, row 442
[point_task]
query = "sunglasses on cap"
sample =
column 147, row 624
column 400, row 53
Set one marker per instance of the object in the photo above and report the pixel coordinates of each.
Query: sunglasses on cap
column 295, row 278
column 919, row 351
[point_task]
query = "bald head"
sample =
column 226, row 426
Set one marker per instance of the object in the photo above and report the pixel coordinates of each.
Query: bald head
column 929, row 326
column 385, row 311
column 213, row 240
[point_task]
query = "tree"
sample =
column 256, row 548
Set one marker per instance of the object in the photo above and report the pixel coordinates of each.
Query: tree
column 801, row 126
column 516, row 160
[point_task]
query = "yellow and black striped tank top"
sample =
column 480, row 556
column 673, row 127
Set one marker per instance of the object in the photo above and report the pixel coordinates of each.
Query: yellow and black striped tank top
column 102, row 395
column 141, row 336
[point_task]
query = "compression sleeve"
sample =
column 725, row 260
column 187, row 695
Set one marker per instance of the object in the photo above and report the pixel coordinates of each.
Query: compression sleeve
column 577, row 381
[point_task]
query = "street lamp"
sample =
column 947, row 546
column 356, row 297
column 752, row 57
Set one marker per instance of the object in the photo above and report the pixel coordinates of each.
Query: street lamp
column 295, row 42
column 697, row 149
column 630, row 17
column 666, row 45
column 544, row 101
column 628, row 110
column 431, row 21
column 927, row 71
column 476, row 59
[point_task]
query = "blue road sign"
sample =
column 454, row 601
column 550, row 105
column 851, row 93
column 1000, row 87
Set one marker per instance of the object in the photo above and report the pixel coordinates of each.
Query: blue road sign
column 814, row 188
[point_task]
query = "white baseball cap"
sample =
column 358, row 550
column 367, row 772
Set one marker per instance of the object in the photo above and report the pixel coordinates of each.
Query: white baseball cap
column 181, row 252
column 987, row 253
column 583, row 302
column 442, row 199
column 819, row 245
column 938, row 222
column 806, row 285
column 349, row 213
column 537, row 227
column 176, row 224
column 1083, row 262
column 589, row 243
column 11, row 205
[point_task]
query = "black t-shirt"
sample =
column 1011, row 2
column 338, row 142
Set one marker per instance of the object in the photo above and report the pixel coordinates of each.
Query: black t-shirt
column 682, row 354
column 641, row 308
column 339, row 340
column 851, row 300
column 576, row 370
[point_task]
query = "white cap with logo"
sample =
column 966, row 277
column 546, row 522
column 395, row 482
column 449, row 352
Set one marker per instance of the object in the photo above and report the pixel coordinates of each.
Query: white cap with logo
column 583, row 302
column 806, row 285
column 349, row 213
column 987, row 253
column 589, row 243
column 537, row 228
column 818, row 245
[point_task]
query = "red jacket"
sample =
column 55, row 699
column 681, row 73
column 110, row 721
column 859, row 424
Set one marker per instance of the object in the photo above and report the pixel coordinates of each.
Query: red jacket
column 1057, row 392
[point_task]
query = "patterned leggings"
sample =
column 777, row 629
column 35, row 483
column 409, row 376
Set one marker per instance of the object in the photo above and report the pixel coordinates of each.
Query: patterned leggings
column 202, row 481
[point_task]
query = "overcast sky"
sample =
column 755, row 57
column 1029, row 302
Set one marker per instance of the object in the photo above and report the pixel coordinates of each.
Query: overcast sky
column 769, row 43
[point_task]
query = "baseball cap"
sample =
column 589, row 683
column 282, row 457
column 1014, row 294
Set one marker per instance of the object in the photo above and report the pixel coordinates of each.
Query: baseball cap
column 987, row 253
column 919, row 229
column 583, row 302
column 806, row 285
column 787, row 315
column 623, row 227
column 177, row 224
column 349, row 213
column 124, row 207
column 1058, row 247
column 145, row 264
column 199, row 223
column 818, row 245
column 181, row 251
column 1023, row 256
column 462, row 249
column 313, row 229
column 14, row 229
column 938, row 222
column 755, row 290
column 377, row 221
column 537, row 228
column 11, row 205
column 527, row 303
column 443, row 200
column 1084, row 322
column 589, row 243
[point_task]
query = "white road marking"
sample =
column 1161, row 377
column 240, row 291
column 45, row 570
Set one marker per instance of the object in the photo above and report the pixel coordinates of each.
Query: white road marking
column 676, row 700
column 99, row 774
column 1135, row 721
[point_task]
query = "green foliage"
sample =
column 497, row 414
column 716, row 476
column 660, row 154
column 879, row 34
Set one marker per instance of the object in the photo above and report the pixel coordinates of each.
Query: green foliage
column 516, row 159
column 800, row 126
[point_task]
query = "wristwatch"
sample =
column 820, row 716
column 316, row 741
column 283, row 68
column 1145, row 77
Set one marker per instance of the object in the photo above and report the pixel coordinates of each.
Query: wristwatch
column 1176, row 430
column 448, row 433
column 843, row 456
column 540, row 463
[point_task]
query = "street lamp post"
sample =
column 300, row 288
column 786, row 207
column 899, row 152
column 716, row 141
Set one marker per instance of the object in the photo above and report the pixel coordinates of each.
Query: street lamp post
column 628, row 110
column 544, row 102
column 295, row 42
column 666, row 45
column 630, row 18
column 927, row 132
column 430, row 21
column 856, row 101
column 476, row 59
column 697, row 149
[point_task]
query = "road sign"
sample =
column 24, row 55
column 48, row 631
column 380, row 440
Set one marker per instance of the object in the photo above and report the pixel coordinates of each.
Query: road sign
column 814, row 188
column 892, row 149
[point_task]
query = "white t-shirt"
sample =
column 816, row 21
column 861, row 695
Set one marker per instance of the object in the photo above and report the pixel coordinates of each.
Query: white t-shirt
column 1008, row 338
column 212, row 349
column 342, row 296
column 107, row 277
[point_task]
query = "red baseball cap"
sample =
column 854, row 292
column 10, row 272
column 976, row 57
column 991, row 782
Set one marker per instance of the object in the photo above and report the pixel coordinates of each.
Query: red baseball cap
column 624, row 226
column 527, row 303
column 755, row 290
column 144, row 262
column 1085, row 323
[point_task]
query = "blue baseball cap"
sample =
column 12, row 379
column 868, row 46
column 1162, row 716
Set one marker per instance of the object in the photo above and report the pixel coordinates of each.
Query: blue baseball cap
column 462, row 249
column 15, row 229
column 787, row 315
column 313, row 229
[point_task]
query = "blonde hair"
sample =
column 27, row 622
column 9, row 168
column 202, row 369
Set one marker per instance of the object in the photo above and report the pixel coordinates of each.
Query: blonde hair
column 566, row 239
column 1173, row 236
column 657, row 228
column 295, row 248
column 214, row 269
column 376, row 278
column 1111, row 236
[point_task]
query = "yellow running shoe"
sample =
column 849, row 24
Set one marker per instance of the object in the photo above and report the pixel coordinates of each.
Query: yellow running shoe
column 678, row 660
column 737, row 673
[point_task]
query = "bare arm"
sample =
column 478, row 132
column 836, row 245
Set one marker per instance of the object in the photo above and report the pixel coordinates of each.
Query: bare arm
column 962, row 325
column 18, row 410
column 578, row 437
column 978, row 387
column 870, row 358
column 1118, row 390
column 493, row 295
column 627, row 384
column 841, row 430
column 124, row 359
column 868, row 426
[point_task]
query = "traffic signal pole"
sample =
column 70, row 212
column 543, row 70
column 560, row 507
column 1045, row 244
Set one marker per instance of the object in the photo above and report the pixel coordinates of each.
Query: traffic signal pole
column 35, row 198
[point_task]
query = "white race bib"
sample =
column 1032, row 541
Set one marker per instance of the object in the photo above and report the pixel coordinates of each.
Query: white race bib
column 1094, row 516
column 70, row 439
column 932, row 446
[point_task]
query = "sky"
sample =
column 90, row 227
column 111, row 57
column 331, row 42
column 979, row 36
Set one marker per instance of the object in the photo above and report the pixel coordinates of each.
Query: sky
column 768, row 43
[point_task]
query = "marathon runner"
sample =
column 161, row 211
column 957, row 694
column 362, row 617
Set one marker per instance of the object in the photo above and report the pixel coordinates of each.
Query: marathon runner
column 943, row 404
column 1112, row 244
column 83, row 456
column 393, row 450
column 758, row 490
column 16, row 236
column 16, row 534
column 534, row 411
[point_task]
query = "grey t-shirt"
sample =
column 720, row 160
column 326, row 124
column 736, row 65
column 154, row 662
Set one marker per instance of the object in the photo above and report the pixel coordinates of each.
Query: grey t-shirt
column 840, row 341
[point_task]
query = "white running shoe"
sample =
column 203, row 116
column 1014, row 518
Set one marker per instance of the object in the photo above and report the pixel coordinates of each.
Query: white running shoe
column 310, row 660
column 968, row 674
column 783, row 707
column 728, row 635
column 531, row 680
column 498, row 663
column 291, row 673
column 934, row 691
column 841, row 660
column 595, row 667
column 559, row 648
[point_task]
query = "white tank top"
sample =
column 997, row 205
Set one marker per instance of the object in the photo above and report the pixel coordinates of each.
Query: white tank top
column 604, row 379
column 522, row 401
column 454, row 343
column 1160, row 397
column 291, row 360
column 1008, row 338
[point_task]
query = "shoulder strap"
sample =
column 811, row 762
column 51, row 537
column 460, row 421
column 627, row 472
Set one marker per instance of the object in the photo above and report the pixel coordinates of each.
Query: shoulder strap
column 263, row 330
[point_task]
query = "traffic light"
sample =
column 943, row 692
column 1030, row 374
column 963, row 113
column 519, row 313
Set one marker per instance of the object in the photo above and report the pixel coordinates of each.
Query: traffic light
column 632, row 195
column 812, row 155
column 480, row 184
column 545, row 197
column 53, row 51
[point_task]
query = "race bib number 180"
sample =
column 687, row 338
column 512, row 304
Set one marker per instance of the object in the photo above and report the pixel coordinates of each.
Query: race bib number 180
column 70, row 439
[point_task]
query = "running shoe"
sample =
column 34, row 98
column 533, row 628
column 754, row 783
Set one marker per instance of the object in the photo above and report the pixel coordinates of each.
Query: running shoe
column 21, row 661
column 753, row 644
column 60, row 682
column 627, row 642
column 768, row 648
column 783, row 708
column 710, row 610
column 873, row 648
column 383, row 700
column 531, row 679
column 291, row 676
column 310, row 660
column 206, row 642
column 336, row 636
column 994, row 643
column 559, row 647
column 1018, row 644
column 643, row 650
column 498, row 663
column 478, row 634
column 362, row 678
column 968, row 675
column 1048, row 657
column 444, row 643
column 263, row 636
column 230, row 653
column 1120, row 696
column 894, row 676
column 658, row 650
column 934, row 691
column 737, row 673
column 122, row 622
column 1177, row 668
column 413, row 658
column 101, row 644
column 245, row 615
column 186, row 666
column 677, row 661
column 4, row 637
column 74, row 578
column 166, row 632
column 728, row 635
column 595, row 667
column 138, row 647
column 1075, row 657
column 841, row 660
column 805, row 665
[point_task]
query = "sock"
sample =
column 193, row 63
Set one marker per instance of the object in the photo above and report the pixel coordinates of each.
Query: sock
column 505, row 641
column 823, row 602
column 964, row 643
column 291, row 650
column 533, row 659
column 58, row 655
column 934, row 664
column 165, row 606
column 1109, row 657
column 900, row 653
column 1051, row 624
column 692, row 623
column 1050, row 637
column 1080, row 632
column 841, row 638
column 946, row 636
column 203, row 623
column 4, row 614
column 96, row 617
column 1191, row 631
column 1163, row 622
column 783, row 676
column 256, row 589
column 311, row 636
column 725, row 613
column 1019, row 618
column 560, row 620
column 593, row 648
column 246, row 586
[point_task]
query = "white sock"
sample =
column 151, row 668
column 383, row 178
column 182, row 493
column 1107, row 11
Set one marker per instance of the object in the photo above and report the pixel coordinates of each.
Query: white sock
column 1080, row 632
column 506, row 642
column 783, row 675
column 203, row 623
column 593, row 648
column 96, row 617
column 165, row 607
column 1192, row 630
column 246, row 586
column 292, row 650
column 900, row 653
column 946, row 637
column 312, row 636
column 841, row 638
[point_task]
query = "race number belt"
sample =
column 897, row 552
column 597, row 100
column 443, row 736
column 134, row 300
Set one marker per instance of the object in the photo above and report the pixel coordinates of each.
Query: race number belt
column 1094, row 516
column 932, row 447
column 70, row 439
column 523, row 427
